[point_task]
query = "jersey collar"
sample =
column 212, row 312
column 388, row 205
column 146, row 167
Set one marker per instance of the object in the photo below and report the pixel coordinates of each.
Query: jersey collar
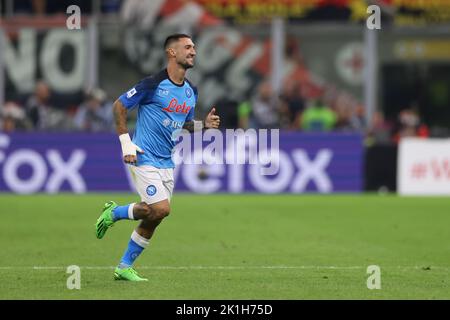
column 176, row 84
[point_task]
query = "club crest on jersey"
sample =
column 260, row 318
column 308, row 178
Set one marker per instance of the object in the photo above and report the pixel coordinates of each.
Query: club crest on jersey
column 131, row 93
column 151, row 190
column 188, row 92
column 177, row 108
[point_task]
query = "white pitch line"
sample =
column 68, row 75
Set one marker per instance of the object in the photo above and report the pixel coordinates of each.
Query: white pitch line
column 227, row 267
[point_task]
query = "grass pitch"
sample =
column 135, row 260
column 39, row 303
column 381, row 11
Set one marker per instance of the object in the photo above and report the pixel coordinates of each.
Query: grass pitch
column 231, row 247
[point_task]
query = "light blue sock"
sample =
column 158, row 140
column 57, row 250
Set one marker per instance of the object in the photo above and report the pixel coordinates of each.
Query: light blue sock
column 123, row 212
column 136, row 245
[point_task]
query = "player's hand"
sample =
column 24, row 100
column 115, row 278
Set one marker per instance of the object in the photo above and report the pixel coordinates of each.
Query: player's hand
column 129, row 149
column 212, row 120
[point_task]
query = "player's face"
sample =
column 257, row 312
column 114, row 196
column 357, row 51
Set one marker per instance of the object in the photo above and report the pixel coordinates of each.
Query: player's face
column 185, row 53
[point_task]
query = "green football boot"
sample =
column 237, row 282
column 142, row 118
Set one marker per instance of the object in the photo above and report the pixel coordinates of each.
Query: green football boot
column 105, row 220
column 127, row 274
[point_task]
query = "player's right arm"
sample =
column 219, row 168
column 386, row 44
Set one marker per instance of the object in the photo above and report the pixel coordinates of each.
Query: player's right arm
column 129, row 149
column 120, row 109
column 120, row 117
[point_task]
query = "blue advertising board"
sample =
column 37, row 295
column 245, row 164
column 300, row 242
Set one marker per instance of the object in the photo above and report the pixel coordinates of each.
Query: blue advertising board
column 84, row 162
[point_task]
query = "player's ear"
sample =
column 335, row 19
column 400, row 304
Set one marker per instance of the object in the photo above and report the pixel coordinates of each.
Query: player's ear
column 170, row 52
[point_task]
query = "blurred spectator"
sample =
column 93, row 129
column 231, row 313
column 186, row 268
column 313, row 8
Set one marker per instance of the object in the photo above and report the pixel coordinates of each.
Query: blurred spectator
column 39, row 6
column 40, row 112
column 261, row 112
column 318, row 117
column 410, row 125
column 95, row 114
column 351, row 118
column 380, row 131
column 13, row 118
column 358, row 119
column 292, row 105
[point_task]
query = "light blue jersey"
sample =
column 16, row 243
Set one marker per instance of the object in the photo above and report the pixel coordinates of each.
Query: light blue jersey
column 164, row 106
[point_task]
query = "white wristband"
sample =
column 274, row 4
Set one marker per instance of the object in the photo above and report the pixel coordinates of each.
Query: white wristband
column 128, row 147
column 124, row 138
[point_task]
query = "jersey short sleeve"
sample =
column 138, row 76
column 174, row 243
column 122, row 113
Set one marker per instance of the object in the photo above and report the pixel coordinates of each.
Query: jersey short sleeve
column 139, row 94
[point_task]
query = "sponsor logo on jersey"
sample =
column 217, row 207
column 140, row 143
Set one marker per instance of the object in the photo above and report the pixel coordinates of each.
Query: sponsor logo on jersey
column 172, row 123
column 163, row 92
column 131, row 93
column 166, row 122
column 177, row 108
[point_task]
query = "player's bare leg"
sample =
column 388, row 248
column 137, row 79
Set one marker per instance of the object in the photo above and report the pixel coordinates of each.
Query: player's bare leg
column 151, row 216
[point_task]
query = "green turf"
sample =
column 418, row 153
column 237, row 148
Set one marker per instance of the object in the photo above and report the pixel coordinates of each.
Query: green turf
column 233, row 247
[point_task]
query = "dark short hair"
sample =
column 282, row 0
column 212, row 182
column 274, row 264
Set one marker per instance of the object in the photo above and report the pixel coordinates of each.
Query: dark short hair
column 174, row 38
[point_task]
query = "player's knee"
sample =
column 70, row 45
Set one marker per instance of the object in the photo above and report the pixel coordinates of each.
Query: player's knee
column 144, row 210
column 153, row 212
column 161, row 212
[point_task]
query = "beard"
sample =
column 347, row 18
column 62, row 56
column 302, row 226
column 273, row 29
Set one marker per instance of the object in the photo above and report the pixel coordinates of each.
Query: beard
column 186, row 64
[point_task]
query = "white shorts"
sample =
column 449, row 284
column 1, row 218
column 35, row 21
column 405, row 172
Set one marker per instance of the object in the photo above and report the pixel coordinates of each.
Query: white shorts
column 152, row 184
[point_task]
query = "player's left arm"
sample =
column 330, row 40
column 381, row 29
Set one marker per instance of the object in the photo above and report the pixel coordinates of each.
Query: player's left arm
column 212, row 121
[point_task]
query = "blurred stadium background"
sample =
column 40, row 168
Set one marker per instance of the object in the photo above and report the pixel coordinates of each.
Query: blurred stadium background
column 360, row 111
